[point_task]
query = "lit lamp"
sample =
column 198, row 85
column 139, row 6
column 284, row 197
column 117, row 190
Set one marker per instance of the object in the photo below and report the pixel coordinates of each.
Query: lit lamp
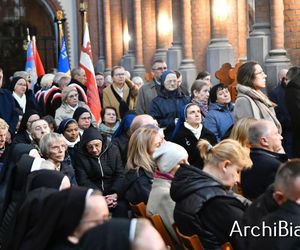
column 164, row 24
column 221, row 10
column 126, row 38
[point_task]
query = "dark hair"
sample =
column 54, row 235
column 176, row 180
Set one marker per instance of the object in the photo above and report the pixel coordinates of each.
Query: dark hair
column 177, row 73
column 246, row 74
column 292, row 73
column 51, row 120
column 99, row 73
column 158, row 61
column 114, row 69
column 104, row 110
column 202, row 75
column 214, row 91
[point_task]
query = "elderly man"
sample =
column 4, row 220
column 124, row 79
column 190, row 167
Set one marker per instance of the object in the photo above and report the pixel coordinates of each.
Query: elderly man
column 78, row 80
column 266, row 153
column 150, row 90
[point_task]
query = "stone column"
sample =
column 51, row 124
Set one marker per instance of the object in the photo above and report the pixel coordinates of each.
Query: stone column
column 259, row 43
column 219, row 51
column 242, row 30
column 107, row 27
column 163, row 20
column 174, row 54
column 100, row 67
column 128, row 59
column 187, row 67
column 277, row 58
column 139, row 69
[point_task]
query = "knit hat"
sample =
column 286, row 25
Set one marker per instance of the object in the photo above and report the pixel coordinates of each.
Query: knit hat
column 14, row 82
column 66, row 91
column 64, row 123
column 164, row 75
column 214, row 90
column 168, row 155
column 78, row 112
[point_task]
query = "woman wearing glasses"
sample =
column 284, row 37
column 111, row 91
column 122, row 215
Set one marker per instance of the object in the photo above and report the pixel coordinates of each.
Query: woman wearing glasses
column 251, row 101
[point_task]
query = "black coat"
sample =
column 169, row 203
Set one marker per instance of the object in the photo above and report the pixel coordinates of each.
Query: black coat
column 137, row 186
column 289, row 213
column 7, row 109
column 204, row 207
column 104, row 172
column 256, row 180
column 187, row 139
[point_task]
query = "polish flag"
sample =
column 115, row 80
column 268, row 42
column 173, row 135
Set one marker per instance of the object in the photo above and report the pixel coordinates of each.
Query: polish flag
column 38, row 62
column 86, row 63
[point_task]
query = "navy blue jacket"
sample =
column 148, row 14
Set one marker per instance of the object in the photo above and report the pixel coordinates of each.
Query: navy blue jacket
column 7, row 109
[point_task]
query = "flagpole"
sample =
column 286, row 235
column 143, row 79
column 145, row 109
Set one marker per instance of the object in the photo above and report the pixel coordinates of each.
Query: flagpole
column 83, row 11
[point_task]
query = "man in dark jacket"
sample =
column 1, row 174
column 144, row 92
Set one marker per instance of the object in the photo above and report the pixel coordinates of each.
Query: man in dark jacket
column 285, row 220
column 98, row 165
column 78, row 81
column 266, row 154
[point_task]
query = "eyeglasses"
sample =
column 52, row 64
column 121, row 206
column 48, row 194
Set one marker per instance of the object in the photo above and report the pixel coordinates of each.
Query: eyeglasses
column 73, row 96
column 22, row 84
column 160, row 68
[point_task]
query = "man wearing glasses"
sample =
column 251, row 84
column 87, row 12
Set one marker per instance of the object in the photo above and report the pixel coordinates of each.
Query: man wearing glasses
column 150, row 90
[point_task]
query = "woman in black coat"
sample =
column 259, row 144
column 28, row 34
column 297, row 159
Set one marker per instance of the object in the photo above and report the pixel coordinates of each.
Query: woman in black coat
column 190, row 131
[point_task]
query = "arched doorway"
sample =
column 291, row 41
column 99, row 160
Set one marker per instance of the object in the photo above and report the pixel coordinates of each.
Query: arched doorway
column 15, row 19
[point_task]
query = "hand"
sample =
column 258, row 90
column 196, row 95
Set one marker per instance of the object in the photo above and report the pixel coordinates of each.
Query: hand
column 111, row 200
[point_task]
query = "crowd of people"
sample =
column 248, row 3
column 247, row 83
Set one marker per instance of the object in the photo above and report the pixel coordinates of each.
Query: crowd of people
column 207, row 164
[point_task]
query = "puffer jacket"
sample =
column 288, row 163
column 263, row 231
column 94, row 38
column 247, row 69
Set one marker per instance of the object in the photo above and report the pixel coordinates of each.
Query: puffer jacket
column 204, row 207
column 104, row 173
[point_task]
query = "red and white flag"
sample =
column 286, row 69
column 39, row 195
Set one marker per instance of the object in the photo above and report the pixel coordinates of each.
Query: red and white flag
column 40, row 71
column 86, row 63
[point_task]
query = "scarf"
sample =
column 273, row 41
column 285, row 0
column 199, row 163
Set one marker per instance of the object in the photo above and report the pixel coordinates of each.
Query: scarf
column 265, row 106
column 20, row 100
column 202, row 105
column 164, row 176
column 195, row 131
column 72, row 144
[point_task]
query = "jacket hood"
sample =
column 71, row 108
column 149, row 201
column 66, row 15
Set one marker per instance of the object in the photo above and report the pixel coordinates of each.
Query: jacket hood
column 189, row 179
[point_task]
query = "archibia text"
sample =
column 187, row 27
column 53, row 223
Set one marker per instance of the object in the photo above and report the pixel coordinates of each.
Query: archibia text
column 280, row 228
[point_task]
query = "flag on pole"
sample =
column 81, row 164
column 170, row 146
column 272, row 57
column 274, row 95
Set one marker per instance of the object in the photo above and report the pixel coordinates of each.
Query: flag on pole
column 86, row 63
column 30, row 64
column 63, row 61
column 38, row 63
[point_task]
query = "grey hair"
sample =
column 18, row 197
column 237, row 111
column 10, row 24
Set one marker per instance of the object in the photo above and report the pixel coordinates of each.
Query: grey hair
column 257, row 130
column 46, row 141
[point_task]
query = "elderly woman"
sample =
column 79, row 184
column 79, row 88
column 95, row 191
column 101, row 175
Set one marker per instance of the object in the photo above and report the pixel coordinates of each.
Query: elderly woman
column 70, row 103
column 84, row 118
column 251, row 101
column 110, row 123
column 190, row 131
column 219, row 119
column 140, row 166
column 205, row 204
column 200, row 95
column 165, row 108
column 53, row 148
column 98, row 165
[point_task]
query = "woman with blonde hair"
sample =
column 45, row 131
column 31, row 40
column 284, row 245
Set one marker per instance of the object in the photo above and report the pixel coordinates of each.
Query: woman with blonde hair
column 140, row 166
column 205, row 203
column 240, row 129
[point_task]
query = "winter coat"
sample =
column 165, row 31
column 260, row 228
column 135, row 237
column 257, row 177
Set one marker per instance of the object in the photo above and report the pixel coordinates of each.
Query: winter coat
column 137, row 185
column 167, row 106
column 289, row 214
column 219, row 119
column 104, row 173
column 204, row 207
column 257, row 179
column 187, row 139
column 7, row 110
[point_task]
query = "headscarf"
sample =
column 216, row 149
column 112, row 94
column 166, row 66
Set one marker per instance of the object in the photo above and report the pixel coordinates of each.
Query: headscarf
column 113, row 234
column 79, row 111
column 25, row 118
column 14, row 82
column 89, row 135
column 64, row 124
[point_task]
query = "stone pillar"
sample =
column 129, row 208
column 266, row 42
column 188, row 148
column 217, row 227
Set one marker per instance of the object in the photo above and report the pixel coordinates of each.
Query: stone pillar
column 187, row 67
column 128, row 59
column 242, row 30
column 277, row 58
column 163, row 21
column 100, row 66
column 139, row 69
column 259, row 43
column 219, row 50
column 174, row 54
column 107, row 27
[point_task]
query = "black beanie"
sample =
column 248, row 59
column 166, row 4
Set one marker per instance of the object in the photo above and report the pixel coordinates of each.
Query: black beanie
column 78, row 112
